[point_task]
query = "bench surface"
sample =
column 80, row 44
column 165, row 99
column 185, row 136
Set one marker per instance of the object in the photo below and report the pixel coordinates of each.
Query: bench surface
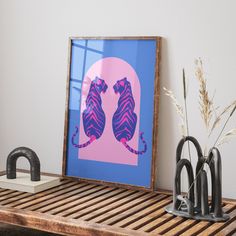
column 75, row 208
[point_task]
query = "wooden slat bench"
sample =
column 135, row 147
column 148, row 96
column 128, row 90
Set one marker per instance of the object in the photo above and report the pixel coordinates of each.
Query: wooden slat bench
column 75, row 208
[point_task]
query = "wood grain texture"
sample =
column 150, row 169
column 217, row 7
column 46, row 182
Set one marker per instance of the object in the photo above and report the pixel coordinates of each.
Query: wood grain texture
column 111, row 202
column 145, row 220
column 135, row 214
column 111, row 216
column 216, row 227
column 77, row 208
column 59, row 225
column 156, row 115
column 205, row 225
column 74, row 208
column 228, row 230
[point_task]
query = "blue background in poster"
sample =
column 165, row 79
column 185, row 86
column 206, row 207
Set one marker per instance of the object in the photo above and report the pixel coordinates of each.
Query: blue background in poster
column 141, row 55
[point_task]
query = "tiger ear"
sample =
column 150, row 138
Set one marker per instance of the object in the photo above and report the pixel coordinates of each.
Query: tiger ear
column 97, row 80
column 122, row 83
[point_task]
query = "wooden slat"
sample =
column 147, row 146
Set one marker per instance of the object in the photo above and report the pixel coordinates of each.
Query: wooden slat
column 141, row 214
column 228, row 230
column 141, row 217
column 59, row 225
column 10, row 195
column 73, row 211
column 139, row 223
column 178, row 229
column 102, row 210
column 15, row 198
column 115, row 201
column 197, row 228
column 155, row 222
column 34, row 200
column 76, row 208
column 26, row 195
column 7, row 192
column 202, row 225
column 2, row 190
column 90, row 199
column 81, row 196
column 29, row 197
column 216, row 227
column 168, row 225
column 127, row 210
column 56, row 199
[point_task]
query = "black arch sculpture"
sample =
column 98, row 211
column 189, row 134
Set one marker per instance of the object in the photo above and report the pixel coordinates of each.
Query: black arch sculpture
column 195, row 205
column 31, row 157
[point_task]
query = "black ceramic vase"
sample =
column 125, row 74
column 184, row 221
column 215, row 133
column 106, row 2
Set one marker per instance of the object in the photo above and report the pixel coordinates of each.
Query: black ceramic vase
column 196, row 204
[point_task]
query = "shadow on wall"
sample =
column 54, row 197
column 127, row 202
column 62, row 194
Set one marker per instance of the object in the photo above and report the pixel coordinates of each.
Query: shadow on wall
column 165, row 128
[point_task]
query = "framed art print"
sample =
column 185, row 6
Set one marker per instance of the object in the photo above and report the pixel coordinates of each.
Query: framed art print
column 112, row 110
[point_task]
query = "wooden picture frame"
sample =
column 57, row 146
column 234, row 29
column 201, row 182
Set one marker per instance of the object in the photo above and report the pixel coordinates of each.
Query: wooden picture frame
column 112, row 61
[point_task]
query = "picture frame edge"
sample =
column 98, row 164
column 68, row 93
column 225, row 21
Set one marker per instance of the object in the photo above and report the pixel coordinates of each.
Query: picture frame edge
column 66, row 108
column 153, row 180
column 156, row 116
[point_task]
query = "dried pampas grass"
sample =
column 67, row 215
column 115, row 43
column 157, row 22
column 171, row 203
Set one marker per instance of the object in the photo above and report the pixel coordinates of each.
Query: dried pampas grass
column 207, row 109
column 220, row 116
column 179, row 109
column 227, row 137
column 206, row 104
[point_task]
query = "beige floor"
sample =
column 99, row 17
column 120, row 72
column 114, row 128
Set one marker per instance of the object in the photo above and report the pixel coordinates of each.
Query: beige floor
column 10, row 230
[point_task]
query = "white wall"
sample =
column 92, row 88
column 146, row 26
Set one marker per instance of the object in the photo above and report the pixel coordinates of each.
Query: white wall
column 33, row 68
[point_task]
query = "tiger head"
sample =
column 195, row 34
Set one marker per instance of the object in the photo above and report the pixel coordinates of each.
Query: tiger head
column 100, row 85
column 121, row 85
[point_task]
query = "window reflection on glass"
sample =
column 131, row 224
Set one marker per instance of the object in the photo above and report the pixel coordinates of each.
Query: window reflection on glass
column 83, row 51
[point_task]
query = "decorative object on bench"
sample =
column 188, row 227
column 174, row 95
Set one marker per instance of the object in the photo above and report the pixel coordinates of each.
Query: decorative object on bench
column 195, row 204
column 32, row 182
column 112, row 110
column 30, row 155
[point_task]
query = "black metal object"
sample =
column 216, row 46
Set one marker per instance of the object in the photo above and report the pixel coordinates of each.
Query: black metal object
column 32, row 158
column 195, row 205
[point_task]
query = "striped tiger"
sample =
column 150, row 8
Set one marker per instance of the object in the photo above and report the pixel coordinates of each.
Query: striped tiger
column 93, row 116
column 125, row 119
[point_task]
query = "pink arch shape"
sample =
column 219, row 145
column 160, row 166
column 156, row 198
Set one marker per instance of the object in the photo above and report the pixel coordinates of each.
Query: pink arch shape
column 107, row 148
